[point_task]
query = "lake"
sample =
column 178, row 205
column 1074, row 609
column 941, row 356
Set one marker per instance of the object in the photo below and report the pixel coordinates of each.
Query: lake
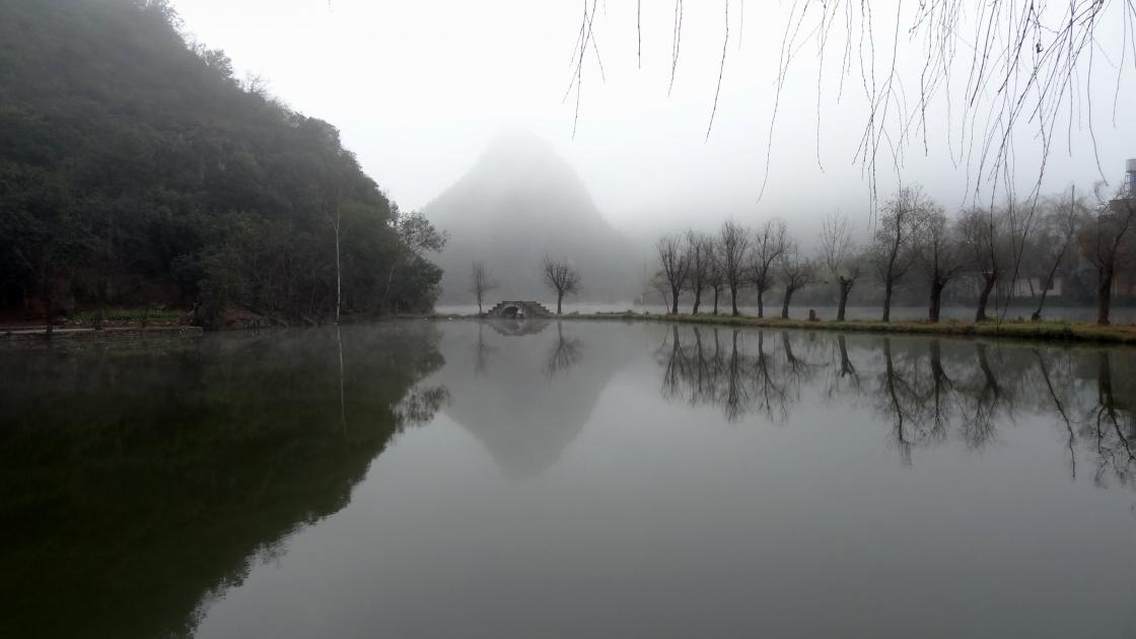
column 566, row 479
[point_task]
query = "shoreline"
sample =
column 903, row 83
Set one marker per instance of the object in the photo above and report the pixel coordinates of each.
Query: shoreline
column 1043, row 331
column 116, row 332
column 1053, row 331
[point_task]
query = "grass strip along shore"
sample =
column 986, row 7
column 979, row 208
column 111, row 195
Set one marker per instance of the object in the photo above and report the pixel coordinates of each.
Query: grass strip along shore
column 1050, row 331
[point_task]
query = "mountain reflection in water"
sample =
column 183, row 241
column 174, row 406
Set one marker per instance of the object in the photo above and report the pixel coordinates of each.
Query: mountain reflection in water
column 529, row 388
column 562, row 478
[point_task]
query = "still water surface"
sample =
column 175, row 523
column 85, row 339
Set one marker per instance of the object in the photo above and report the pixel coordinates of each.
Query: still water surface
column 463, row 479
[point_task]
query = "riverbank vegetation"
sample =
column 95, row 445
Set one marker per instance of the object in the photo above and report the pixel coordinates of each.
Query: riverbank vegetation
column 137, row 170
column 987, row 257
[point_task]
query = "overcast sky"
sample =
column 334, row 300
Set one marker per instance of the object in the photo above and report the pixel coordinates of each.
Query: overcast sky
column 418, row 88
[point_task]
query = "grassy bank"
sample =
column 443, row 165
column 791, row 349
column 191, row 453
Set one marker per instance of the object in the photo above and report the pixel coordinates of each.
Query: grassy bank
column 1043, row 331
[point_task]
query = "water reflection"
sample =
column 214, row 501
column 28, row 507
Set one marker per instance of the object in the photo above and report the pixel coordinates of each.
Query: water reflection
column 744, row 376
column 535, row 386
column 690, row 481
column 138, row 479
column 927, row 391
column 564, row 354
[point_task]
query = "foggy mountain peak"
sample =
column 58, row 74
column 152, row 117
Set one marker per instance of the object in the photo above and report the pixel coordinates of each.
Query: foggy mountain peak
column 519, row 202
column 521, row 175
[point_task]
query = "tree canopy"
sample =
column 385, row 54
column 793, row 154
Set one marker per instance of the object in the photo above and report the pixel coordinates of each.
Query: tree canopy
column 136, row 169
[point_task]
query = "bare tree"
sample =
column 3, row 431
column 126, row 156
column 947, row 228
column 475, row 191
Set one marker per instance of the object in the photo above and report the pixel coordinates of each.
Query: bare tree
column 769, row 244
column 841, row 258
column 1109, row 243
column 1059, row 228
column 892, row 251
column 561, row 277
column 674, row 264
column 982, row 235
column 795, row 271
column 715, row 277
column 939, row 255
column 658, row 283
column 481, row 282
column 700, row 253
column 733, row 248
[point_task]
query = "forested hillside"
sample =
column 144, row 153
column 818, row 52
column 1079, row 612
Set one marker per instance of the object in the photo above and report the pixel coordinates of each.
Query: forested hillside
column 135, row 169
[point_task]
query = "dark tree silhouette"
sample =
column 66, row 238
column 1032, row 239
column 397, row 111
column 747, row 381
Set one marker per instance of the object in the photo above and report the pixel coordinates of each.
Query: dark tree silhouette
column 982, row 234
column 938, row 254
column 892, row 252
column 1061, row 226
column 733, row 248
column 795, row 271
column 561, row 277
column 674, row 262
column 480, row 283
column 700, row 254
column 841, row 258
column 1109, row 242
column 770, row 243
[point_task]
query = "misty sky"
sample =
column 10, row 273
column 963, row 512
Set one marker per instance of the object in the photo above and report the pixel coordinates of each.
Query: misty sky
column 418, row 88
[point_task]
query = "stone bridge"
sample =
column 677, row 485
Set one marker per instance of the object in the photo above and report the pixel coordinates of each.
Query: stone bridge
column 517, row 309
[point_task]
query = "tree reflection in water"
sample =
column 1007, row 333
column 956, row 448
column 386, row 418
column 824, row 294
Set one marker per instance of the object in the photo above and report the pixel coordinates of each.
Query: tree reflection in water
column 565, row 353
column 927, row 391
column 138, row 480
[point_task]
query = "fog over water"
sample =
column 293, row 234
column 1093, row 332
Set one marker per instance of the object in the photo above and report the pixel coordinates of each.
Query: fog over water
column 365, row 318
column 574, row 478
column 419, row 90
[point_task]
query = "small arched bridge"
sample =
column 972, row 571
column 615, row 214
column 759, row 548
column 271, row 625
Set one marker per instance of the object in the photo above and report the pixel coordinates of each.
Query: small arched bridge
column 518, row 309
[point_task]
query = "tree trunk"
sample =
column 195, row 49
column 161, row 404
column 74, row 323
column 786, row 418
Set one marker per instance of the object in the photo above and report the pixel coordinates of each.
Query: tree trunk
column 936, row 300
column 1104, row 296
column 988, row 280
column 50, row 312
column 845, row 289
column 100, row 318
column 338, row 273
column 559, row 301
column 674, row 300
column 1041, row 302
column 716, row 300
column 888, row 286
column 734, row 299
column 760, row 302
column 785, row 304
column 697, row 300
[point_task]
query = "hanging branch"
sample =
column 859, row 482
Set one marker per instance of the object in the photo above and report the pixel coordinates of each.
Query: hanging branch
column 721, row 70
column 1018, row 63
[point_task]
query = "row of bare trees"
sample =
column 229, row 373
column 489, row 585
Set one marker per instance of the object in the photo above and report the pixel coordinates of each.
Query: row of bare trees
column 914, row 242
column 734, row 259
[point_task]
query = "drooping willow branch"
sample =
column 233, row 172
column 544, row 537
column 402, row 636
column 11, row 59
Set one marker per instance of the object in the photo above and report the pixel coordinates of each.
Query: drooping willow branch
column 1002, row 69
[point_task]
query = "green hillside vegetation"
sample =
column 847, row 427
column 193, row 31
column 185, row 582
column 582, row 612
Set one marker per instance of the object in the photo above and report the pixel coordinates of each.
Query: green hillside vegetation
column 135, row 169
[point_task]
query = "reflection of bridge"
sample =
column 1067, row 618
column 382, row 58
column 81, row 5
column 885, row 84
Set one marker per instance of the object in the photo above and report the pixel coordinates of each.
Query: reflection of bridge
column 516, row 328
column 514, row 309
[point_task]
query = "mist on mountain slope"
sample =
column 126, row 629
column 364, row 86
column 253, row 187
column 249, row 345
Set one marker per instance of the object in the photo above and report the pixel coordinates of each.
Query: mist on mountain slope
column 519, row 203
